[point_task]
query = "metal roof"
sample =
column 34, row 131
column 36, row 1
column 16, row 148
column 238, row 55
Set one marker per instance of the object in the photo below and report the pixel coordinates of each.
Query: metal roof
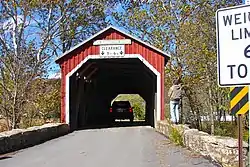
column 106, row 29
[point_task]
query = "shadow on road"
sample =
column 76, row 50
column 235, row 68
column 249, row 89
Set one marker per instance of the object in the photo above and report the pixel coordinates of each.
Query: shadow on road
column 115, row 124
column 7, row 155
column 4, row 157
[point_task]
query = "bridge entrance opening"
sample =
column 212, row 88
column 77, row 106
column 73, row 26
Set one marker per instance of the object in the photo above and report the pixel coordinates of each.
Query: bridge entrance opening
column 109, row 63
column 138, row 105
column 98, row 81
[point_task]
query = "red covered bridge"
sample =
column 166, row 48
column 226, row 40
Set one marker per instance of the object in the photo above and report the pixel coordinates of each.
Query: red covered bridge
column 110, row 63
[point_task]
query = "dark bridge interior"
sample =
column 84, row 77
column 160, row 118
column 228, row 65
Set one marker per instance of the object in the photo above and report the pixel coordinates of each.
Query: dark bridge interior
column 99, row 81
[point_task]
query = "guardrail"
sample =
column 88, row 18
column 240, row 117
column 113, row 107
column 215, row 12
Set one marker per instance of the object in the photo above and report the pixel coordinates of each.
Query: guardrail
column 223, row 150
column 17, row 139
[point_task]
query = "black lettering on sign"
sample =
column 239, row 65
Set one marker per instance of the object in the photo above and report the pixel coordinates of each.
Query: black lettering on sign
column 241, row 33
column 245, row 17
column 237, row 18
column 247, row 51
column 247, row 33
column 242, row 71
column 233, row 37
column 231, row 70
column 227, row 20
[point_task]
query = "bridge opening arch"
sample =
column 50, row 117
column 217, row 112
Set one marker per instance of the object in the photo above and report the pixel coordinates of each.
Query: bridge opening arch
column 93, row 85
column 90, row 80
column 137, row 102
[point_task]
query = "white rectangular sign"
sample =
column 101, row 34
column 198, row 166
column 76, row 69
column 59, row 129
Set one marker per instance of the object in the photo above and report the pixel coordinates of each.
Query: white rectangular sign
column 233, row 46
column 112, row 42
column 112, row 50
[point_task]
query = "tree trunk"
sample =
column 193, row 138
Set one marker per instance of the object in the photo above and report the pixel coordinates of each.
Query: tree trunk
column 6, row 117
column 14, row 111
column 220, row 114
column 194, row 109
column 198, row 119
column 224, row 114
column 211, row 109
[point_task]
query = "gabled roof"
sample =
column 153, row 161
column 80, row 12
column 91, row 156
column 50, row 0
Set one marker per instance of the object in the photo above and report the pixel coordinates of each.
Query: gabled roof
column 104, row 30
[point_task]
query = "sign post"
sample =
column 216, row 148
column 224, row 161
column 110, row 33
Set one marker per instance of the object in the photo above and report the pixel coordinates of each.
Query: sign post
column 233, row 60
column 247, row 2
column 239, row 104
column 240, row 140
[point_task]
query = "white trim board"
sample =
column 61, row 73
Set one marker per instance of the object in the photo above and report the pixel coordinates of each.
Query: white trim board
column 138, row 56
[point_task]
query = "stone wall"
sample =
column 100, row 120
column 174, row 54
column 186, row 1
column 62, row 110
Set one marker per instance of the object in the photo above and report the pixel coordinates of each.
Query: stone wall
column 22, row 138
column 223, row 150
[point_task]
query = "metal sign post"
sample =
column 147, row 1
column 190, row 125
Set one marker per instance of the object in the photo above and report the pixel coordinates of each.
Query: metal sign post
column 240, row 140
column 248, row 2
column 239, row 104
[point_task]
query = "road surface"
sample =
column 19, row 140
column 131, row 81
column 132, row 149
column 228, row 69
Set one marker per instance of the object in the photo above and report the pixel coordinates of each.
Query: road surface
column 109, row 147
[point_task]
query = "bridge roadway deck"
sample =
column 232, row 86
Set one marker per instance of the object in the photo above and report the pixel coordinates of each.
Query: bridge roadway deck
column 138, row 146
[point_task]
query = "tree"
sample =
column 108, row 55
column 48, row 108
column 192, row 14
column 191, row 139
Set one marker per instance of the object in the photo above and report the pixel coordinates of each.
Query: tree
column 197, row 52
column 45, row 104
column 74, row 20
column 186, row 29
column 32, row 33
column 18, row 62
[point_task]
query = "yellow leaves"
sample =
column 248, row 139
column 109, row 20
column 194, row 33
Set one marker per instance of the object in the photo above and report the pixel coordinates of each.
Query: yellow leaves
column 46, row 100
column 36, row 2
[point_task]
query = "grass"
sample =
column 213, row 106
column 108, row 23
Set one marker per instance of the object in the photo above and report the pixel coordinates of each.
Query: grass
column 229, row 129
column 176, row 137
column 24, row 124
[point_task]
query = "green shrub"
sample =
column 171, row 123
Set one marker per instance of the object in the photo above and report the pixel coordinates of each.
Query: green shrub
column 176, row 136
column 225, row 129
column 139, row 111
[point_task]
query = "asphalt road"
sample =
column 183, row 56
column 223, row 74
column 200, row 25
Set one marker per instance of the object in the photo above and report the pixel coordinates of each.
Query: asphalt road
column 109, row 147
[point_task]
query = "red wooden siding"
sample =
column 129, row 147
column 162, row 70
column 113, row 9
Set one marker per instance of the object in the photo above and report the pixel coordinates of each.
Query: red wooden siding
column 154, row 58
column 70, row 61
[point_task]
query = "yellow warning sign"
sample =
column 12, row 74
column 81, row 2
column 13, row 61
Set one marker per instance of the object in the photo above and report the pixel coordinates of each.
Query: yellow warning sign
column 239, row 100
